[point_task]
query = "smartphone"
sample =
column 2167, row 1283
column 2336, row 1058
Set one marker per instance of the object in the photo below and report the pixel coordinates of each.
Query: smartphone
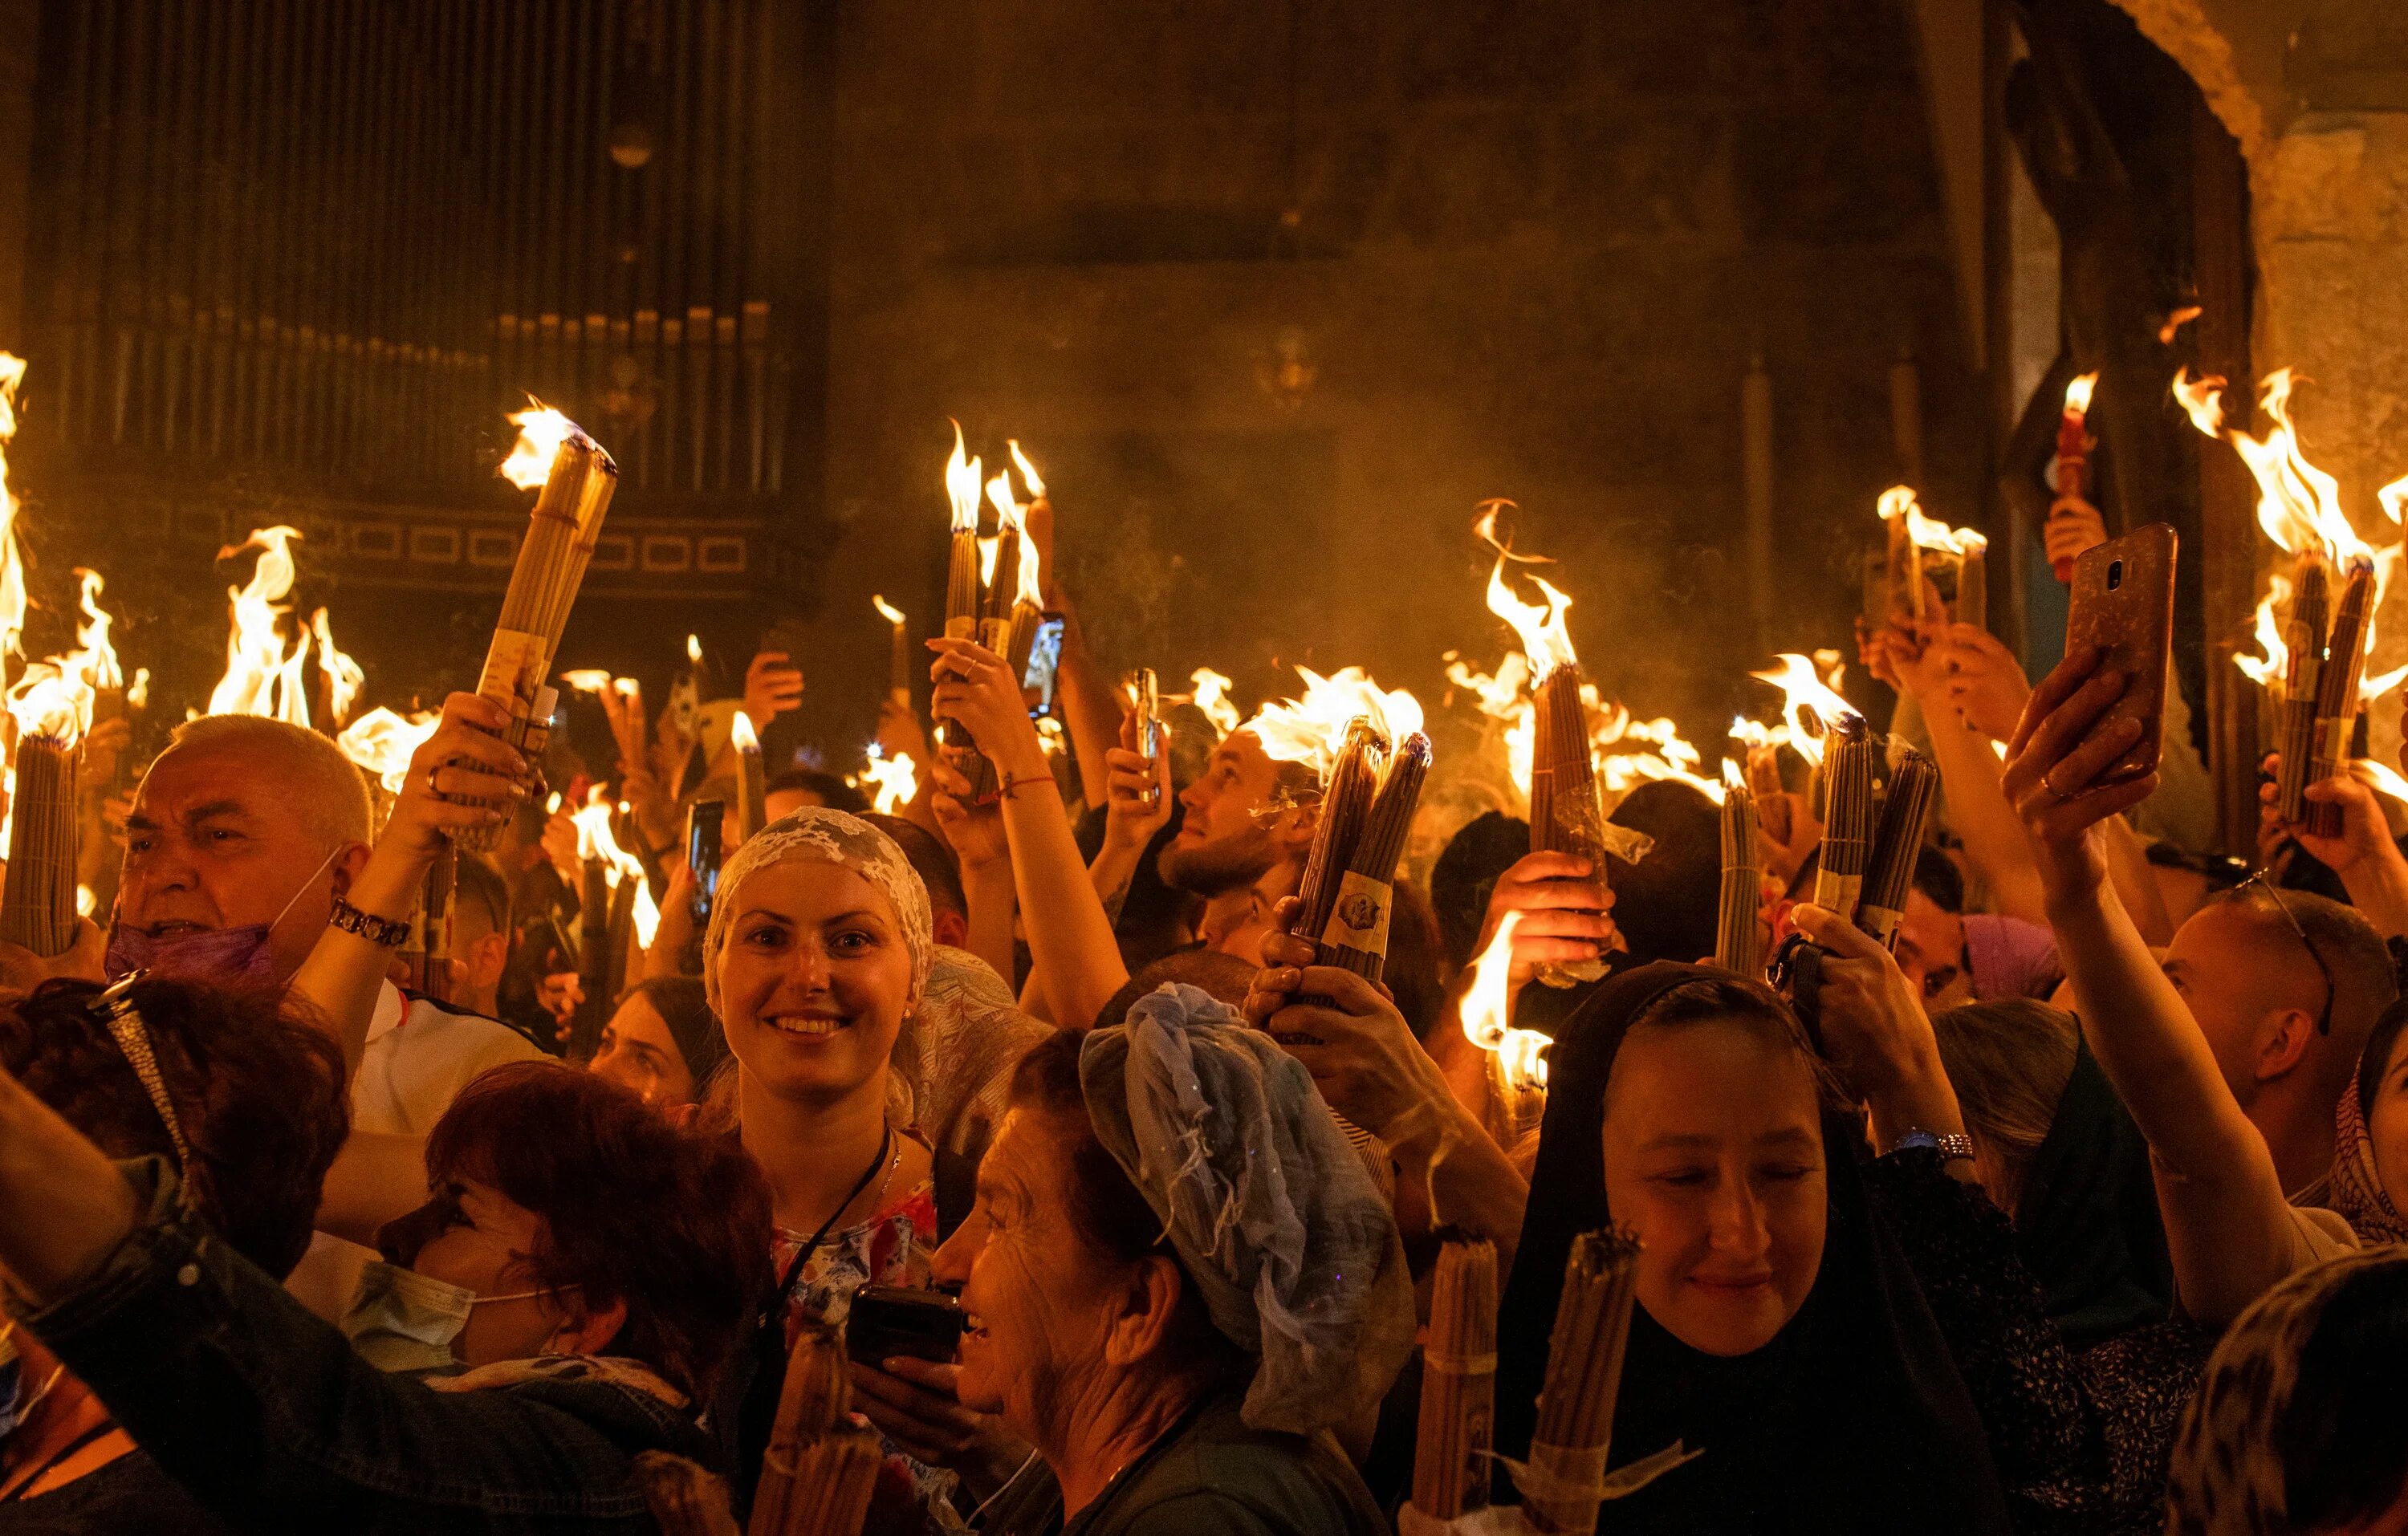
column 702, row 842
column 1044, row 661
column 1145, row 695
column 891, row 1320
column 2123, row 602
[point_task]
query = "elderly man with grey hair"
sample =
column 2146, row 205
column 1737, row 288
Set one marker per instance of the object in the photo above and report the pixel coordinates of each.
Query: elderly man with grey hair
column 244, row 836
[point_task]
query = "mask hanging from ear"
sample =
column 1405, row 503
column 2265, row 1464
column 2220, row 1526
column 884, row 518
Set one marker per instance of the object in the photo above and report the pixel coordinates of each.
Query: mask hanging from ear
column 208, row 952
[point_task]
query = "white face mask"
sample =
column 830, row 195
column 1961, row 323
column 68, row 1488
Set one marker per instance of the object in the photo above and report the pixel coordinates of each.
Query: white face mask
column 400, row 1320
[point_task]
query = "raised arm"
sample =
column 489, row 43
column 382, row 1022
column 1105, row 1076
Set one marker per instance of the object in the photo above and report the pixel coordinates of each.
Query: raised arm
column 1070, row 941
column 466, row 759
column 1137, row 805
column 2371, row 866
column 2227, row 1224
column 1091, row 706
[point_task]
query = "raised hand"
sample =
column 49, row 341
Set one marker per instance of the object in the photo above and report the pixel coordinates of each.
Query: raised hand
column 2073, row 529
column 2054, row 761
column 464, row 762
column 1136, row 793
column 974, row 832
column 1985, row 682
column 773, row 684
column 1566, row 913
column 976, row 687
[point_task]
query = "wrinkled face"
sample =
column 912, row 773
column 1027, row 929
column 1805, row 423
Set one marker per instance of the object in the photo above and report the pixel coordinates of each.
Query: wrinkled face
column 2233, row 973
column 813, row 979
column 1713, row 1156
column 1223, row 843
column 637, row 1052
column 1931, row 952
column 212, row 845
column 1031, row 1284
column 471, row 1234
column 2387, row 1123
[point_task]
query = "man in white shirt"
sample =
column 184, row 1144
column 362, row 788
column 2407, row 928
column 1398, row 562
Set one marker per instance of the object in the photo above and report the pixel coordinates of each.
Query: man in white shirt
column 243, row 836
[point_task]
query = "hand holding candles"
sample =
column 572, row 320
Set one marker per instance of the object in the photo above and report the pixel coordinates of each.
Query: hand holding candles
column 2073, row 446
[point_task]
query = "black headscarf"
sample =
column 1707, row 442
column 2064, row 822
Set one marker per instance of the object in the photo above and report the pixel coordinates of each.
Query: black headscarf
column 1854, row 1417
column 2087, row 1222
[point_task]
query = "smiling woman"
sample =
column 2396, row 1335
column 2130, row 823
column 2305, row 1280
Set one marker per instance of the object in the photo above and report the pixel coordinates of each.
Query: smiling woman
column 1778, row 1328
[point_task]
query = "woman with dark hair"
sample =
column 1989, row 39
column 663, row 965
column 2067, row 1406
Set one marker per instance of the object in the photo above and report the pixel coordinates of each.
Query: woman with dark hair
column 663, row 1042
column 1778, row 1329
column 578, row 1278
column 254, row 1097
column 1178, row 1277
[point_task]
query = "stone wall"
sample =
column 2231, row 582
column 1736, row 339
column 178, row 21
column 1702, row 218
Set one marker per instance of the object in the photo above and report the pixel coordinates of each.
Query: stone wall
column 1538, row 244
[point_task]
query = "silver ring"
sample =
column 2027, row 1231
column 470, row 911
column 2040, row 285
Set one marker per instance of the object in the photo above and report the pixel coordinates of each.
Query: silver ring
column 433, row 788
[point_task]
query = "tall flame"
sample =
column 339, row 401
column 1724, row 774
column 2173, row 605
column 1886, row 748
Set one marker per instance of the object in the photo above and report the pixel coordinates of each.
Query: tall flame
column 1312, row 729
column 1808, row 705
column 892, row 782
column 962, row 486
column 2269, row 671
column 93, row 655
column 1485, row 1008
column 1212, row 696
column 887, row 610
column 1928, row 533
column 596, row 841
column 2201, row 399
column 1629, row 753
column 382, row 742
column 1545, row 641
column 541, row 431
column 262, row 677
column 49, row 701
column 12, row 563
column 1028, row 475
column 344, row 676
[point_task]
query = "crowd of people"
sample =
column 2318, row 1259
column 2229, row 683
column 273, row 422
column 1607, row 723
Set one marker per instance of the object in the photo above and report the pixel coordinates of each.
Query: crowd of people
column 2075, row 1209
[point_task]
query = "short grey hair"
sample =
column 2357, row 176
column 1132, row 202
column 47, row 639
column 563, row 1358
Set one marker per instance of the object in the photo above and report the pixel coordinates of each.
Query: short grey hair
column 327, row 792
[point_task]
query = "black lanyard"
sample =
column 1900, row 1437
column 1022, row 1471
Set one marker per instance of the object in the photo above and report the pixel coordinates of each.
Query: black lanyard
column 803, row 1255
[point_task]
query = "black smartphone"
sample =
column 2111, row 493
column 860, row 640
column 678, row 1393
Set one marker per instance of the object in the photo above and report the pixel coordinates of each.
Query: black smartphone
column 702, row 840
column 891, row 1320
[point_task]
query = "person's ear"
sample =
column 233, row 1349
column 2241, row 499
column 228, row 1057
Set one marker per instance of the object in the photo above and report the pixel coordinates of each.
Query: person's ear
column 1148, row 1299
column 586, row 1330
column 348, row 865
column 951, row 929
column 2285, row 1036
column 487, row 958
column 1294, row 829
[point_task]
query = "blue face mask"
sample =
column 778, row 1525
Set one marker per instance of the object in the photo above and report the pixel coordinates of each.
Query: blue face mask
column 210, row 952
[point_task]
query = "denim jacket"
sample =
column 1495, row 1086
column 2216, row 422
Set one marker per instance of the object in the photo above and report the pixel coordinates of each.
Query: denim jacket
column 264, row 1412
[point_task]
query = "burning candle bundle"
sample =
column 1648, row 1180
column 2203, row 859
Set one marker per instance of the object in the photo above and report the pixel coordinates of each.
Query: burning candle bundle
column 1354, row 932
column 820, row 1468
column 1847, row 779
column 574, row 479
column 1906, row 808
column 1919, row 550
column 1566, row 1477
column 965, row 608
column 2337, row 686
column 1739, row 944
column 1459, row 1381
column 37, row 905
column 2306, row 637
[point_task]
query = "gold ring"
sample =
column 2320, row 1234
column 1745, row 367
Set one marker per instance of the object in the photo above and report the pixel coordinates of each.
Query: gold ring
column 432, row 788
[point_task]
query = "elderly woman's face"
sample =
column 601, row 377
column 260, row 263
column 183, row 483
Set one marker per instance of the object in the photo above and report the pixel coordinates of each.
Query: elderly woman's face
column 813, row 979
column 1034, row 1288
column 1713, row 1156
column 472, row 1235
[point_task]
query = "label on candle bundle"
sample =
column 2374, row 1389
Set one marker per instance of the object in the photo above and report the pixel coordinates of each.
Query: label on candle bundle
column 1880, row 922
column 1837, row 893
column 1359, row 918
column 515, row 667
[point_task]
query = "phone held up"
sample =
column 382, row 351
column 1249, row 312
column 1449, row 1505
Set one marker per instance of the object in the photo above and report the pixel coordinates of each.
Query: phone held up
column 2123, row 603
column 891, row 1320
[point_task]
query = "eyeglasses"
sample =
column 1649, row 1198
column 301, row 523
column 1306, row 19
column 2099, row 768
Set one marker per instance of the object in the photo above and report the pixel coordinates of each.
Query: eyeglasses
column 2274, row 893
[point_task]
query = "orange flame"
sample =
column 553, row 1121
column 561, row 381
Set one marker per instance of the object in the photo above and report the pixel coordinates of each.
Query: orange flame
column 596, row 841
column 541, row 431
column 893, row 781
column 962, row 487
column 693, row 649
column 2271, row 669
column 887, row 610
column 382, row 742
column 1804, row 698
column 1028, row 475
column 1486, row 1008
column 49, row 701
column 1648, row 750
column 2201, row 399
column 262, row 677
column 344, row 677
column 588, row 680
column 1212, row 696
column 93, row 655
column 1545, row 641
column 1928, row 533
column 1312, row 729
column 12, row 562
column 741, row 734
column 2077, row 394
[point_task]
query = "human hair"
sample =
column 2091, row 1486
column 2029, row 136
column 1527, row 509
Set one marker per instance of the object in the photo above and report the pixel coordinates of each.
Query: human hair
column 2343, row 1436
column 1466, row 875
column 683, row 1004
column 1412, row 968
column 1224, row 976
column 1110, row 1213
column 2009, row 1061
column 930, row 859
column 673, row 1222
column 480, row 890
column 1669, row 904
column 1740, row 1000
column 257, row 1085
column 2353, row 954
column 1937, row 878
column 2376, row 1054
column 322, row 788
column 833, row 792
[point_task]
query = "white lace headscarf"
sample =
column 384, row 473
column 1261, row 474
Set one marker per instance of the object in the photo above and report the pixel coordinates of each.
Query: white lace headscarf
column 822, row 836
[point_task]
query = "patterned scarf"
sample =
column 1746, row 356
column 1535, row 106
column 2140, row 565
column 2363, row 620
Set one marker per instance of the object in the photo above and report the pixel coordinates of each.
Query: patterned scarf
column 2358, row 1191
